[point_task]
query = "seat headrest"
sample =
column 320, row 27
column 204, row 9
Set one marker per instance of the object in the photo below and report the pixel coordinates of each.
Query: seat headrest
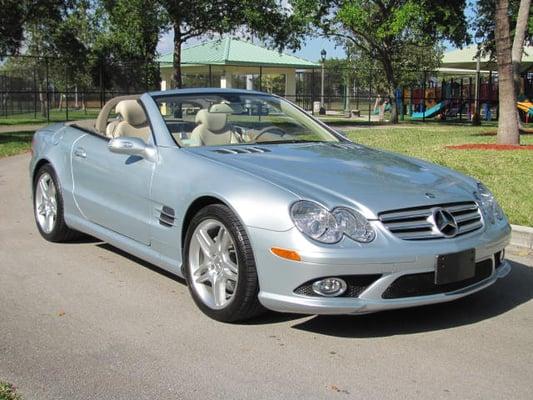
column 221, row 108
column 131, row 112
column 211, row 121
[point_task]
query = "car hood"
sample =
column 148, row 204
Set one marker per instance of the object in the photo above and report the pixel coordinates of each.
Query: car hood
column 347, row 174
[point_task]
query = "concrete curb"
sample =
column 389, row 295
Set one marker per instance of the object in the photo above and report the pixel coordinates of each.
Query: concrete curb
column 522, row 236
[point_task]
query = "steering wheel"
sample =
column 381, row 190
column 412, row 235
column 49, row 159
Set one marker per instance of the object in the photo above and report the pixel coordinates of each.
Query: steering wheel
column 270, row 129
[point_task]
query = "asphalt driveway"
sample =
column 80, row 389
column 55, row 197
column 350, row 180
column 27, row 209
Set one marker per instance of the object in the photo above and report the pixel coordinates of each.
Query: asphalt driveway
column 86, row 321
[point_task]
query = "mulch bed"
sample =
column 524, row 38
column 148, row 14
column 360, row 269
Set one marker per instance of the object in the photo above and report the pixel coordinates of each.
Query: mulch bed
column 490, row 146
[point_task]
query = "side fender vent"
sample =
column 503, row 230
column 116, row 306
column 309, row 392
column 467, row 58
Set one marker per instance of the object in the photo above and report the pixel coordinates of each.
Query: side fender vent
column 167, row 217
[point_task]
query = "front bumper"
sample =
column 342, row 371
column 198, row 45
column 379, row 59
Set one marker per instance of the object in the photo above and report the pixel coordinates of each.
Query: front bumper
column 387, row 256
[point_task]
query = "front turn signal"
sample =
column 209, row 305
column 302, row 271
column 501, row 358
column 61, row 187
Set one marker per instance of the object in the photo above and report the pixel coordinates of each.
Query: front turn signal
column 287, row 254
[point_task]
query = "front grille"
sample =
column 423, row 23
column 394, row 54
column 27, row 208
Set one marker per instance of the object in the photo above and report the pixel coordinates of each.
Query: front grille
column 423, row 284
column 356, row 284
column 418, row 223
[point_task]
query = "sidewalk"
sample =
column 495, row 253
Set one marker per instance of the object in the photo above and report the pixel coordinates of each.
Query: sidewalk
column 20, row 128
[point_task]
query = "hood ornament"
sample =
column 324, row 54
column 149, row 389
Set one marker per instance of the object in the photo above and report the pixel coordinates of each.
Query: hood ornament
column 429, row 195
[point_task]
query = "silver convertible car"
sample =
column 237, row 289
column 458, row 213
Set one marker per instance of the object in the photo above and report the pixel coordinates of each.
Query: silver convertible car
column 258, row 205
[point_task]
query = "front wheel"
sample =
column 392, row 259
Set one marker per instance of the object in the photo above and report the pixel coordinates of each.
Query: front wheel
column 220, row 267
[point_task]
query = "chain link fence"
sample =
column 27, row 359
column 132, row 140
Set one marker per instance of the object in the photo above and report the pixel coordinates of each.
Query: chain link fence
column 50, row 89
column 53, row 90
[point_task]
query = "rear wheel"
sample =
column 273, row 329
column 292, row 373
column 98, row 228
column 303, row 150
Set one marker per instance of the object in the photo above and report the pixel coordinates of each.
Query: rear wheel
column 220, row 267
column 48, row 207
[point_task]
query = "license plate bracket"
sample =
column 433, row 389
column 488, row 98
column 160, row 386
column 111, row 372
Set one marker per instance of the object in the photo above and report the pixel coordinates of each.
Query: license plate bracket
column 455, row 267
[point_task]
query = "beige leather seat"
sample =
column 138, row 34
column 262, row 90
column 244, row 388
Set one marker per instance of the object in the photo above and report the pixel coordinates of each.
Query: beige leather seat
column 110, row 129
column 212, row 130
column 134, row 122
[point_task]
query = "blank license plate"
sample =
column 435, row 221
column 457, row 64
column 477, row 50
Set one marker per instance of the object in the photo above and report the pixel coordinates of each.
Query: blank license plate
column 455, row 267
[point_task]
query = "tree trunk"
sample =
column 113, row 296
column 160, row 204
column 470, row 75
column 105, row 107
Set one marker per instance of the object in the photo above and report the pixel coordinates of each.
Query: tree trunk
column 508, row 117
column 42, row 100
column 518, row 42
column 176, row 61
column 389, row 74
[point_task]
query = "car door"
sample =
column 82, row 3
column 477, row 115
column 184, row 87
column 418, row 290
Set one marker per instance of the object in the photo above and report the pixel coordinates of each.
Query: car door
column 112, row 190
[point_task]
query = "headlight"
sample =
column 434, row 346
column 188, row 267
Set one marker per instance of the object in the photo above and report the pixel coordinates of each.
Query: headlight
column 489, row 206
column 354, row 225
column 320, row 224
column 315, row 221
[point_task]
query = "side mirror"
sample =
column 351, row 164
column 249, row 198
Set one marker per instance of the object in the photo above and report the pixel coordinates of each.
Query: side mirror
column 132, row 146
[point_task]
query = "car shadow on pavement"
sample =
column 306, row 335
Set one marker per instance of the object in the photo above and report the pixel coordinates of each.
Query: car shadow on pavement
column 83, row 239
column 503, row 296
column 267, row 318
column 146, row 264
column 506, row 294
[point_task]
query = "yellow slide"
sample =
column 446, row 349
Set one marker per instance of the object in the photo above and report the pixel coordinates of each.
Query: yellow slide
column 525, row 106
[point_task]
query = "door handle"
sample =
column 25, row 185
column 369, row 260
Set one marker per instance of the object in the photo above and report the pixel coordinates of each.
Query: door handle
column 80, row 152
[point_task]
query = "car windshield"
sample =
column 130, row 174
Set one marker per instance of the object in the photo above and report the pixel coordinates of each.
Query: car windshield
column 237, row 119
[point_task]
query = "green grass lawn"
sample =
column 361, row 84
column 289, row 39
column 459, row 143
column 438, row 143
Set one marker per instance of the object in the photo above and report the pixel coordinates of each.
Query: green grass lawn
column 55, row 116
column 8, row 392
column 509, row 174
column 12, row 143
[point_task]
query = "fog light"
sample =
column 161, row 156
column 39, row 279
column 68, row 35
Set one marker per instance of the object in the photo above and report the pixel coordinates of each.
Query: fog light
column 329, row 287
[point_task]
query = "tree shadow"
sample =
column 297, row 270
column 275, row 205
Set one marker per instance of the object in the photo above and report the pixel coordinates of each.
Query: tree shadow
column 484, row 134
column 16, row 137
column 503, row 296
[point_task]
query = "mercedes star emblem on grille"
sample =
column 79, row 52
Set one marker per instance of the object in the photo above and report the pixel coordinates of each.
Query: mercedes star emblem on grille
column 445, row 222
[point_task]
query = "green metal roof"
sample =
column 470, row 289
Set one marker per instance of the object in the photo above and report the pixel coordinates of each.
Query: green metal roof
column 466, row 58
column 230, row 51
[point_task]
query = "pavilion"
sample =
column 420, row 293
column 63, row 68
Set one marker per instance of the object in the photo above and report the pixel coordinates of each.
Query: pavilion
column 465, row 59
column 234, row 63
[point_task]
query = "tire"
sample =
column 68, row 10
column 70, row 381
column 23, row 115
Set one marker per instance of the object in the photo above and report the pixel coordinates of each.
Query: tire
column 237, row 301
column 57, row 230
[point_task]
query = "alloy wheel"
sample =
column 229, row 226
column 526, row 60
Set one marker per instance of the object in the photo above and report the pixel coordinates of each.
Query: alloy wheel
column 46, row 203
column 213, row 264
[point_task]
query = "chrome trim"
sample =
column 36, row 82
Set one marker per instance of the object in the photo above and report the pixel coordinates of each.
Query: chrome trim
column 419, row 223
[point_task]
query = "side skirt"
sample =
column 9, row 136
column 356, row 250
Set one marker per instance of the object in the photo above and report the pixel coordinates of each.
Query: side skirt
column 126, row 244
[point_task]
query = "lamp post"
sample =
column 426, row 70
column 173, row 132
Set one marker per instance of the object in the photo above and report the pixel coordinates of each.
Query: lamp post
column 323, row 59
column 476, row 117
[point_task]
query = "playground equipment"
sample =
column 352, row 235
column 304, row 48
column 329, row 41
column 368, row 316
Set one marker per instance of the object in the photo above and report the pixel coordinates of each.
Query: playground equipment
column 430, row 112
column 453, row 98
column 527, row 108
column 376, row 109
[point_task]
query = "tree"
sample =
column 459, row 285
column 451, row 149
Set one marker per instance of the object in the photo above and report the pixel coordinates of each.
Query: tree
column 17, row 14
column 521, row 31
column 130, row 37
column 519, row 17
column 494, row 22
column 508, row 122
column 265, row 19
column 386, row 30
column 11, row 32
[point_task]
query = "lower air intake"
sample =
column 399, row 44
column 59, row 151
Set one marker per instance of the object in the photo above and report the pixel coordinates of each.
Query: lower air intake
column 423, row 284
